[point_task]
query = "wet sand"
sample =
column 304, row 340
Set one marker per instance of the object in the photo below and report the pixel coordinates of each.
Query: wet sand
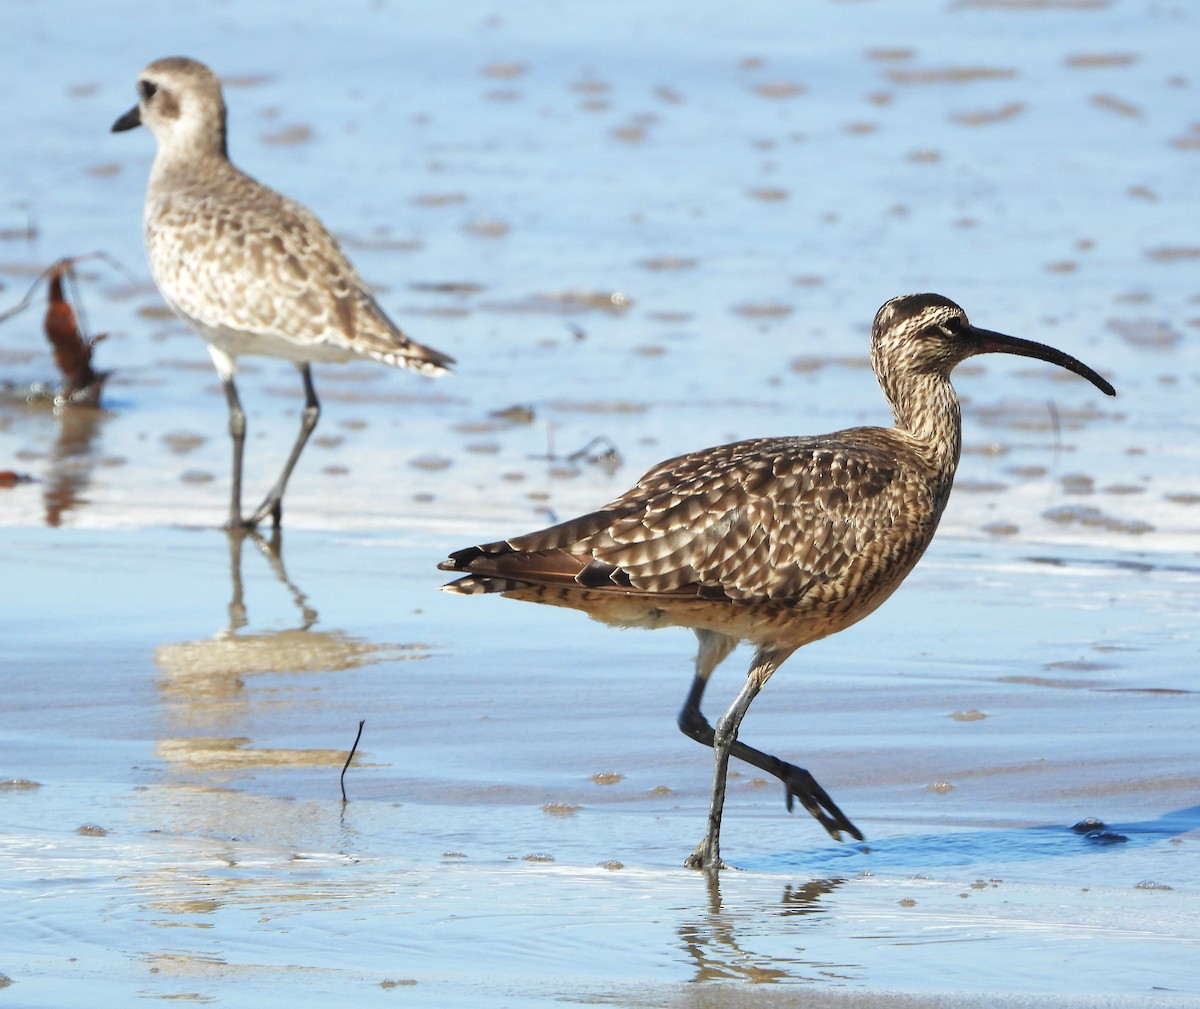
column 521, row 803
column 639, row 235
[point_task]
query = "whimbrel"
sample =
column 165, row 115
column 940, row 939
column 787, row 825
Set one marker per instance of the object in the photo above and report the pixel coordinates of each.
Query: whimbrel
column 774, row 541
column 248, row 269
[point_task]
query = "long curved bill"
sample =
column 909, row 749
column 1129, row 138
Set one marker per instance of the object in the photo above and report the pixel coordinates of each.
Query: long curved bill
column 988, row 342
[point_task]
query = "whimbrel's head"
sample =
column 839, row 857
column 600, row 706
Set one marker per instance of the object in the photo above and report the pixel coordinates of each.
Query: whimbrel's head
column 927, row 334
column 180, row 102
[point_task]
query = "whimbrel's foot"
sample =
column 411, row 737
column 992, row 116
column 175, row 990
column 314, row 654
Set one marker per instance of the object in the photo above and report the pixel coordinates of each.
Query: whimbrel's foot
column 704, row 860
column 803, row 786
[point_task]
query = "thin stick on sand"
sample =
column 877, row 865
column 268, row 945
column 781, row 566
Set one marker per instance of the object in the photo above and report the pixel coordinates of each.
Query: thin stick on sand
column 353, row 750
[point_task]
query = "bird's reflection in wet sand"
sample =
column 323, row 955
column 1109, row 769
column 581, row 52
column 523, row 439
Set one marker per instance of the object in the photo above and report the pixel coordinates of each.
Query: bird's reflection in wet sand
column 206, row 683
column 224, row 700
column 719, row 940
column 272, row 550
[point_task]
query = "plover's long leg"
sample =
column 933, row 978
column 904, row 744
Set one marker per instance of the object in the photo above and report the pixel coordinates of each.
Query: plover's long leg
column 237, row 434
column 273, row 503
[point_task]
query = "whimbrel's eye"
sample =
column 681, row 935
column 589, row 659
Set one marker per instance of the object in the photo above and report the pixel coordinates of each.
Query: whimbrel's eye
column 952, row 326
column 148, row 89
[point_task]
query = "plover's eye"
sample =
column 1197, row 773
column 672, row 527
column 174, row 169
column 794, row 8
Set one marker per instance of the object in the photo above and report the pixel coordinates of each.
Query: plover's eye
column 147, row 89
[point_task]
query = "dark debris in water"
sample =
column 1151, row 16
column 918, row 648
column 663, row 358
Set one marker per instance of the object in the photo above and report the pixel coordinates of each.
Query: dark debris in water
column 1104, row 837
column 81, row 383
column 1153, row 333
column 1087, row 515
column 1096, row 832
column 455, row 287
column 520, row 413
column 600, row 452
column 10, row 478
column 565, row 302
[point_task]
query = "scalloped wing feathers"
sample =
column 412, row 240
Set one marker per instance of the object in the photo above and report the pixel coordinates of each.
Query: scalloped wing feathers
column 775, row 520
column 245, row 258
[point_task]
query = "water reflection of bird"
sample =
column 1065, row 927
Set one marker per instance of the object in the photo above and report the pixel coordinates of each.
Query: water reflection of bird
column 272, row 551
column 208, row 681
column 721, row 946
column 775, row 541
column 248, row 269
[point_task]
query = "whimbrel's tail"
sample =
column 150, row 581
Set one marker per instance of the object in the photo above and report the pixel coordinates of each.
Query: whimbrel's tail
column 497, row 567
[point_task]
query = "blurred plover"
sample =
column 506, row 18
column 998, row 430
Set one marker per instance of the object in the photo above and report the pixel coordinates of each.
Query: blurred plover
column 248, row 269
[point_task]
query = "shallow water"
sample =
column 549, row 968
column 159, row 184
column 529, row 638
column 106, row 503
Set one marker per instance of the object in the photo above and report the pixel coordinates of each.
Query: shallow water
column 515, row 831
column 651, row 230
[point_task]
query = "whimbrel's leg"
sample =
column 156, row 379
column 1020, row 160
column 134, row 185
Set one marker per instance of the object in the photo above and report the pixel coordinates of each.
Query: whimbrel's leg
column 798, row 782
column 707, row 855
column 237, row 432
column 273, row 503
